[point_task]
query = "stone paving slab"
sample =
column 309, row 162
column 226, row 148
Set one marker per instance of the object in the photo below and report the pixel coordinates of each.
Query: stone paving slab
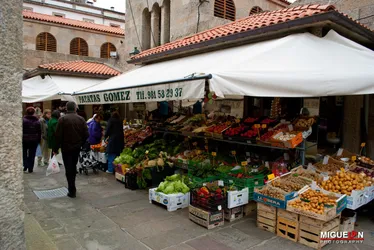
column 113, row 238
column 106, row 216
column 182, row 246
column 68, row 243
column 207, row 243
column 87, row 223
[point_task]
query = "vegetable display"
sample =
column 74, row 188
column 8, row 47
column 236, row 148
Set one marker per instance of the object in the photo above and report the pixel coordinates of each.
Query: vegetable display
column 346, row 182
column 174, row 184
column 313, row 201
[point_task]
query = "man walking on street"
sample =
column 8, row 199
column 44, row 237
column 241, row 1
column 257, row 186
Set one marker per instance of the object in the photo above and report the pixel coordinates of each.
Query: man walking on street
column 71, row 134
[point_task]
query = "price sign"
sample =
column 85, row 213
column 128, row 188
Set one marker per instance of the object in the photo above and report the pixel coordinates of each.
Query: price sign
column 340, row 152
column 354, row 158
column 214, row 154
column 325, row 160
column 257, row 126
column 290, row 127
column 233, row 152
column 271, row 176
column 244, row 163
column 363, row 144
column 263, row 126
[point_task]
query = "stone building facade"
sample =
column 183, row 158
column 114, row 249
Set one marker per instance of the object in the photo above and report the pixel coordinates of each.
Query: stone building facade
column 11, row 176
column 64, row 35
column 64, row 21
column 361, row 10
column 156, row 22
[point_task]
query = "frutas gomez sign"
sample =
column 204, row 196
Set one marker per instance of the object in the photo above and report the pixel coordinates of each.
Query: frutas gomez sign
column 155, row 93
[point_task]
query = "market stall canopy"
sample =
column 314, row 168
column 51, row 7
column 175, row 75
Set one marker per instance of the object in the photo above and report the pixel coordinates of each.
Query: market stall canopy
column 38, row 89
column 299, row 65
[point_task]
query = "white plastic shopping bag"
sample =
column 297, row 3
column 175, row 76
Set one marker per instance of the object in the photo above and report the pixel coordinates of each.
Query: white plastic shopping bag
column 53, row 166
column 59, row 158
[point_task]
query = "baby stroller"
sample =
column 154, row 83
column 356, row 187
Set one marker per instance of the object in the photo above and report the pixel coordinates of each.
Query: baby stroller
column 87, row 160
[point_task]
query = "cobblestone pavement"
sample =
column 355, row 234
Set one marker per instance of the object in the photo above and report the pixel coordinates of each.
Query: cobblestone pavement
column 106, row 216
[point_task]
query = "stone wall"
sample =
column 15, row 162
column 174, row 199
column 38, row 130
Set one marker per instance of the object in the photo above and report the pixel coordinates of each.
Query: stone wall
column 11, row 182
column 183, row 18
column 34, row 58
column 357, row 9
column 64, row 35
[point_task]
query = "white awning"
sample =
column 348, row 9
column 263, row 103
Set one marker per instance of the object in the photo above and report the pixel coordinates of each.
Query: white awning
column 37, row 89
column 299, row 65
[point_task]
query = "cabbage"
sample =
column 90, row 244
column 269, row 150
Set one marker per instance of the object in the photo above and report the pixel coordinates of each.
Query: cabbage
column 174, row 177
column 169, row 189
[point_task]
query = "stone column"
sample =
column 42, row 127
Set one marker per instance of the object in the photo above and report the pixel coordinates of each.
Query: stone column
column 165, row 23
column 352, row 123
column 155, row 27
column 11, row 176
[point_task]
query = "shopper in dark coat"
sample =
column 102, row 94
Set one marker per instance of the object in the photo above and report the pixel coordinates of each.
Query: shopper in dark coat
column 115, row 138
column 71, row 134
column 32, row 134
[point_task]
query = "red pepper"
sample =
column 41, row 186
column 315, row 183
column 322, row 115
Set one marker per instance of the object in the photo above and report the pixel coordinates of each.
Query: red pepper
column 204, row 190
column 219, row 191
column 240, row 176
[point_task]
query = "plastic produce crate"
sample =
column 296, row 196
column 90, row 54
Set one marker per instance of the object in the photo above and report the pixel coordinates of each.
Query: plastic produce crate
column 250, row 183
column 210, row 203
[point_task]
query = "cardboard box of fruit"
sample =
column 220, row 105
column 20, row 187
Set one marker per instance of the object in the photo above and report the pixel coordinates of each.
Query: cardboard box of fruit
column 329, row 166
column 273, row 196
column 344, row 155
column 355, row 186
column 318, row 205
column 307, row 174
column 287, row 139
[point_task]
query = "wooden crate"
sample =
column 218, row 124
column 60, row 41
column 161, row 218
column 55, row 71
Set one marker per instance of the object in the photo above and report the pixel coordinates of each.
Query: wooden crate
column 310, row 235
column 266, row 217
column 288, row 215
column 266, row 208
column 250, row 208
column 206, row 219
column 233, row 214
column 287, row 228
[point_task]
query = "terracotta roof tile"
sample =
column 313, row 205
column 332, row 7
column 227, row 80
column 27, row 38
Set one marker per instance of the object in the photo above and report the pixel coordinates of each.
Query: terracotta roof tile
column 82, row 67
column 72, row 22
column 252, row 22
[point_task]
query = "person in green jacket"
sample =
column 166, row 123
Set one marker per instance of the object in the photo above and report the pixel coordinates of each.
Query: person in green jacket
column 52, row 126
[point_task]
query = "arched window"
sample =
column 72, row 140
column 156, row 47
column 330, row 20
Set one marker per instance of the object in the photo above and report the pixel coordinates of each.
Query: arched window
column 224, row 9
column 46, row 42
column 165, row 22
column 155, row 25
column 255, row 10
column 146, row 29
column 105, row 50
column 78, row 46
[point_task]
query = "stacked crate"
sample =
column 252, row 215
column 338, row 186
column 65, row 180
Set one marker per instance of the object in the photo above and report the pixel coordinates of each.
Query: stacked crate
column 266, row 217
column 287, row 225
column 310, row 230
